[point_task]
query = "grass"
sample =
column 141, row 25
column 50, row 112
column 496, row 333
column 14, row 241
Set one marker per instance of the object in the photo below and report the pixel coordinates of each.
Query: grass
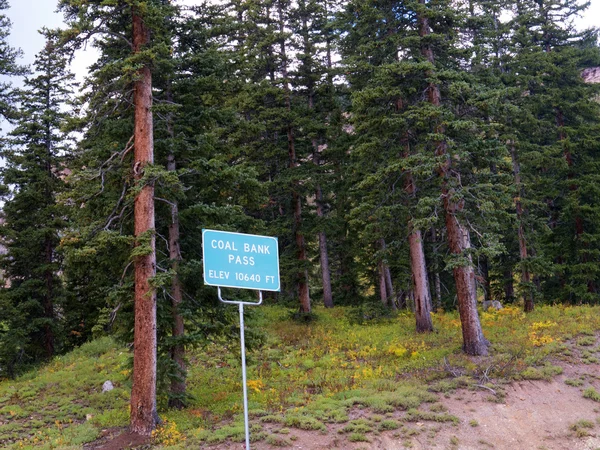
column 581, row 428
column 592, row 394
column 308, row 376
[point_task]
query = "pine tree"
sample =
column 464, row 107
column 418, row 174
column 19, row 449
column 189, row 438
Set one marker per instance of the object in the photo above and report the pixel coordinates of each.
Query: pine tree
column 33, row 219
column 206, row 184
column 272, row 136
column 8, row 66
column 557, row 118
column 199, row 182
column 140, row 18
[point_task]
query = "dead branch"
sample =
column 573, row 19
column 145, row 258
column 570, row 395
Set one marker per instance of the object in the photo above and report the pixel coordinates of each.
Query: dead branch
column 112, row 217
column 449, row 369
column 488, row 388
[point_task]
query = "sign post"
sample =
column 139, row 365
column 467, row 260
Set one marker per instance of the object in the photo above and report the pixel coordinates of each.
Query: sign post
column 242, row 261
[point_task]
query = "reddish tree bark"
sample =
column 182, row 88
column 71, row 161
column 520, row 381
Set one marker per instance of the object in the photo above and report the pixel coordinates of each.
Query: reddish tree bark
column 420, row 281
column 458, row 236
column 143, row 417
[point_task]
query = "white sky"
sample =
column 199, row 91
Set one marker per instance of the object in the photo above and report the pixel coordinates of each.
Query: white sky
column 28, row 16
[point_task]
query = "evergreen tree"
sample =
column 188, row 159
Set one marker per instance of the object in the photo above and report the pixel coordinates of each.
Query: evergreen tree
column 385, row 132
column 557, row 121
column 206, row 185
column 8, row 66
column 271, row 135
column 140, row 18
column 198, row 178
column 33, row 219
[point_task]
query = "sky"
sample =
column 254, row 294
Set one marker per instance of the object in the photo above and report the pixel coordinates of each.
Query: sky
column 28, row 16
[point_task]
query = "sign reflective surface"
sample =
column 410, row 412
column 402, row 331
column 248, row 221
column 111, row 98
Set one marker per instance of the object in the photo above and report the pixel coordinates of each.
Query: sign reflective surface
column 245, row 261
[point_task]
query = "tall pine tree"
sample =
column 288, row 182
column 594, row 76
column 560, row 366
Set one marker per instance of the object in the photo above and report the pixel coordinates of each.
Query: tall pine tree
column 33, row 218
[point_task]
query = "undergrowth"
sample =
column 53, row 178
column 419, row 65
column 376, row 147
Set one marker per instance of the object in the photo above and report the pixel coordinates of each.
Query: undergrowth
column 310, row 375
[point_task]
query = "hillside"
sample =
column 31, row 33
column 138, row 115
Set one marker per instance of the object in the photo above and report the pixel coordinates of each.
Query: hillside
column 337, row 383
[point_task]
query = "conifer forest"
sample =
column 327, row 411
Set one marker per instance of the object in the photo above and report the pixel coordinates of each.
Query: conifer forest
column 413, row 157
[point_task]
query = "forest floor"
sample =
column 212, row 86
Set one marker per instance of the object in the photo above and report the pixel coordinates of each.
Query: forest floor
column 551, row 414
column 336, row 383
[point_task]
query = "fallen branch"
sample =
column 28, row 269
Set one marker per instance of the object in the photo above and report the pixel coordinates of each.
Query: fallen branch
column 488, row 388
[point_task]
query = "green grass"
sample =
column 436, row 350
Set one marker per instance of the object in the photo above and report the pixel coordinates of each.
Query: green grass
column 581, row 428
column 307, row 376
column 592, row 394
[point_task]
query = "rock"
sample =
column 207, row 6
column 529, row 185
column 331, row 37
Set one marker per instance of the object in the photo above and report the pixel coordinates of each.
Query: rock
column 107, row 386
column 591, row 75
column 494, row 304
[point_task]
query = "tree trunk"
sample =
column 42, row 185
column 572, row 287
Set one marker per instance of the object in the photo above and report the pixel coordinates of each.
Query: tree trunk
column 528, row 300
column 300, row 245
column 420, row 281
column 177, row 351
column 143, row 417
column 459, row 239
column 382, row 287
column 484, row 271
column 418, row 267
column 436, row 273
column 324, row 257
column 474, row 343
column 302, row 277
column 402, row 304
column 438, row 290
column 390, row 287
column 323, row 254
column 509, row 288
column 387, row 278
column 48, row 299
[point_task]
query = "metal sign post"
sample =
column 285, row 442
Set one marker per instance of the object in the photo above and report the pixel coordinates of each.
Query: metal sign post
column 243, row 261
column 243, row 347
